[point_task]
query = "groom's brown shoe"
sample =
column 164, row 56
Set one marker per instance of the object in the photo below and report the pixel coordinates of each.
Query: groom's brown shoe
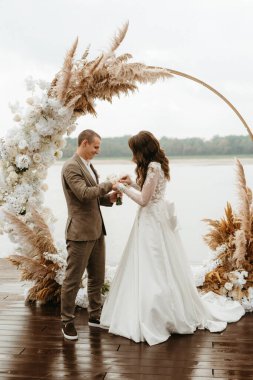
column 68, row 330
column 95, row 322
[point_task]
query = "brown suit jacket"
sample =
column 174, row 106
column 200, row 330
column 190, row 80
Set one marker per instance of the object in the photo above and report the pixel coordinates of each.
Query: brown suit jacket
column 83, row 196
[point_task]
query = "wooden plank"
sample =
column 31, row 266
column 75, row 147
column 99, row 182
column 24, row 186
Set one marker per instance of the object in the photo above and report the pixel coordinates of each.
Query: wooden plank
column 32, row 346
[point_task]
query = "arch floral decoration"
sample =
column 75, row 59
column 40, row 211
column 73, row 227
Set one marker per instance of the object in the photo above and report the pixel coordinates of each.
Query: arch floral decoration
column 36, row 143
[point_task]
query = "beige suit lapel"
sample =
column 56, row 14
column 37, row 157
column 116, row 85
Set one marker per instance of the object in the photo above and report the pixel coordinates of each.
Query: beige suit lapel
column 95, row 172
column 85, row 170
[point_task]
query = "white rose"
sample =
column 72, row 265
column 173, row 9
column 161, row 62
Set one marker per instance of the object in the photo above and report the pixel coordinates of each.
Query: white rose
column 10, row 169
column 44, row 187
column 228, row 286
column 12, row 178
column 71, row 129
column 17, row 117
column 63, row 111
column 41, row 168
column 22, row 144
column 58, row 154
column 37, row 158
column 60, row 144
column 22, row 161
column 30, row 101
column 42, row 174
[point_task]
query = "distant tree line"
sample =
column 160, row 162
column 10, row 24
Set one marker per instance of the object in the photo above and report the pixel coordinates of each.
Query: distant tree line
column 229, row 145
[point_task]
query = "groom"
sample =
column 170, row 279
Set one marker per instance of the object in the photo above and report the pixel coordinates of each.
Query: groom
column 85, row 231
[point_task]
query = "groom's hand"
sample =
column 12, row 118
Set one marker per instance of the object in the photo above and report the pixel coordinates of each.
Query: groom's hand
column 115, row 187
column 113, row 196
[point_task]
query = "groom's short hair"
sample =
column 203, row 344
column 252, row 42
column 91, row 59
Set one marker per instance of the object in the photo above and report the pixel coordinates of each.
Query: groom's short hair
column 87, row 134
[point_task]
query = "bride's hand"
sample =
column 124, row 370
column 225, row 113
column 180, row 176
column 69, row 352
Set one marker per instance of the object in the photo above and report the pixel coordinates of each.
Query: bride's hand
column 115, row 186
column 126, row 180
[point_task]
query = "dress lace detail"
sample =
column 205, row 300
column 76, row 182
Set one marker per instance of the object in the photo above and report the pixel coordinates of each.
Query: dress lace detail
column 153, row 189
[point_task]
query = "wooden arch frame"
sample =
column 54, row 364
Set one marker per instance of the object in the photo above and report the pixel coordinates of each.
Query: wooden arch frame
column 187, row 76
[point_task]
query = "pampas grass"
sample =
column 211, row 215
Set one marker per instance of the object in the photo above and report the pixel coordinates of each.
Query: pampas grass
column 245, row 200
column 234, row 234
column 34, row 266
column 81, row 82
column 38, row 238
column 221, row 230
column 240, row 248
column 66, row 73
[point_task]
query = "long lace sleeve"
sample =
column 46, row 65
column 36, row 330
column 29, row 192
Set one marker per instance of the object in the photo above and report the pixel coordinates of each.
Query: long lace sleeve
column 135, row 186
column 143, row 197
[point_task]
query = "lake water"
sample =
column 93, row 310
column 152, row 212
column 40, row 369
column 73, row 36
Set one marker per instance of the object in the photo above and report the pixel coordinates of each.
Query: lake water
column 199, row 188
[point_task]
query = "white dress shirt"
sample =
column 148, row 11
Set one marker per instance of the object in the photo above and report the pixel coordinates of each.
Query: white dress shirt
column 87, row 165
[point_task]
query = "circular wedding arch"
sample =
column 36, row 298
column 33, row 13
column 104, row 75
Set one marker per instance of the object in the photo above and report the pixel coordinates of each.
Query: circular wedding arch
column 212, row 89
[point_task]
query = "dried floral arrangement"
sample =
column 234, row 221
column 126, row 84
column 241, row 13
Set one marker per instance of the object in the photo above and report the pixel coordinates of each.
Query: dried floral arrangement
column 35, row 143
column 230, row 273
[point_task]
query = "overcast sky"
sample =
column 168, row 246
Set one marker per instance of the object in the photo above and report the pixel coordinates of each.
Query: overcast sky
column 209, row 39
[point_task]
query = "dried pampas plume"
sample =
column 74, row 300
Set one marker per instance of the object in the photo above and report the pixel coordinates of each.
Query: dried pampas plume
column 119, row 37
column 233, row 236
column 240, row 248
column 38, row 238
column 222, row 229
column 34, row 266
column 245, row 199
column 81, row 82
column 63, row 82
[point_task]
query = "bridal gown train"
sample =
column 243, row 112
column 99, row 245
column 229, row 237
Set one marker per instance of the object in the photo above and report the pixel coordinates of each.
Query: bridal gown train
column 153, row 293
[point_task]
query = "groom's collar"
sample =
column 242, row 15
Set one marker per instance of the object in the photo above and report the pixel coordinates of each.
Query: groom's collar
column 86, row 162
column 85, row 169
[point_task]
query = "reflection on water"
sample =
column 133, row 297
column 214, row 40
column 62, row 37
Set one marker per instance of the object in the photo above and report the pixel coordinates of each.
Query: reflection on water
column 199, row 188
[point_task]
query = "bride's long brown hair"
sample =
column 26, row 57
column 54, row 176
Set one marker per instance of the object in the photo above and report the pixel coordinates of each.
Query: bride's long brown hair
column 146, row 148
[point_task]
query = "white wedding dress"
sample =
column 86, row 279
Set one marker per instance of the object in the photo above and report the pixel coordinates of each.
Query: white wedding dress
column 153, row 293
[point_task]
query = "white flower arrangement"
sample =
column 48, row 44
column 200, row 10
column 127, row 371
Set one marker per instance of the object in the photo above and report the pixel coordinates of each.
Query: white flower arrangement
column 32, row 146
column 26, row 153
column 82, row 295
column 238, row 278
column 220, row 249
column 60, row 260
column 22, row 161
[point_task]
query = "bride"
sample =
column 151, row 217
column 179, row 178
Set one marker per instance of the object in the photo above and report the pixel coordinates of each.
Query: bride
column 153, row 293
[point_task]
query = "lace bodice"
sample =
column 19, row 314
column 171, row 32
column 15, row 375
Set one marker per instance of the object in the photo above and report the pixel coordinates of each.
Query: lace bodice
column 153, row 188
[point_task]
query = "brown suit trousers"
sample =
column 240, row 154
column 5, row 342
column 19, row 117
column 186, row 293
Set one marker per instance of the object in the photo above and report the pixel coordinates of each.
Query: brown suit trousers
column 84, row 235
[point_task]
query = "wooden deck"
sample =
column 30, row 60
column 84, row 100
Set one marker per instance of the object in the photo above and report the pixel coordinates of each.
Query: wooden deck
column 32, row 347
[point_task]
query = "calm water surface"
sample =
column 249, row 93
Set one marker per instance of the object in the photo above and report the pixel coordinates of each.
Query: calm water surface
column 199, row 188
